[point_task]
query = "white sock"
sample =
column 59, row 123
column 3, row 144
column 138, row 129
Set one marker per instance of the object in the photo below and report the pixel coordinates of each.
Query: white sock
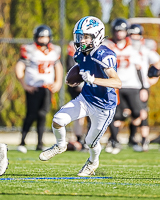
column 60, row 135
column 94, row 153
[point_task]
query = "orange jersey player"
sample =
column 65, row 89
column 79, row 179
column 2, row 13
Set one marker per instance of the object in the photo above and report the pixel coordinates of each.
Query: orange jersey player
column 40, row 73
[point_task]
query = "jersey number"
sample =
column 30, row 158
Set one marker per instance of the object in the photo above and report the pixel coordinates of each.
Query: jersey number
column 45, row 67
column 122, row 61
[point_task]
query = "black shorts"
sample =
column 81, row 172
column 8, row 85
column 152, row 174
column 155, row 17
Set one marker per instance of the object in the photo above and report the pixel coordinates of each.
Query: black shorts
column 129, row 98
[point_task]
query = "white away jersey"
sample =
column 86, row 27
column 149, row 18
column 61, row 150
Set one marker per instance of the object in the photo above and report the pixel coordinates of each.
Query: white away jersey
column 127, row 59
column 39, row 64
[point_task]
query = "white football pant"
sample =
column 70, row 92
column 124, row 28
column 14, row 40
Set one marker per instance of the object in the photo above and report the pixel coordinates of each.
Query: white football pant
column 78, row 108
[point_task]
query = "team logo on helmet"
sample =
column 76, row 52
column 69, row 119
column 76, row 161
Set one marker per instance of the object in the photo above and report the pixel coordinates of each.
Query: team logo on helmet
column 93, row 23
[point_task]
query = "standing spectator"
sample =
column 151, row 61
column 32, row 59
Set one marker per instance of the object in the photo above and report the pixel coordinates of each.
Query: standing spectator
column 98, row 98
column 149, row 57
column 129, row 62
column 3, row 158
column 40, row 73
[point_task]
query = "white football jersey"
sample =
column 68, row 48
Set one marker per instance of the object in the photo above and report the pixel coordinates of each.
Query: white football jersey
column 127, row 59
column 148, row 55
column 40, row 64
column 151, row 44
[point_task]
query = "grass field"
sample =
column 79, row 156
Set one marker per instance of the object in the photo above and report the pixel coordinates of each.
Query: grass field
column 128, row 175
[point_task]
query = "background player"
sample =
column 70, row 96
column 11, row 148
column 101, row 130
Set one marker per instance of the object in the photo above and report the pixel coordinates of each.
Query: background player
column 97, row 99
column 149, row 57
column 3, row 158
column 129, row 63
column 40, row 73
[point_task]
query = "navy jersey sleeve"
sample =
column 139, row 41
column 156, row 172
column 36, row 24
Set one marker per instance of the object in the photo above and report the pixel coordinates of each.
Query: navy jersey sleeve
column 106, row 58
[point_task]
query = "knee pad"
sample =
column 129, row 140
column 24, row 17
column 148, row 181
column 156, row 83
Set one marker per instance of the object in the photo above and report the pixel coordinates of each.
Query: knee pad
column 144, row 122
column 62, row 119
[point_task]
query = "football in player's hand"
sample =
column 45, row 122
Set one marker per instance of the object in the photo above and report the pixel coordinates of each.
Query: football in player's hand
column 73, row 75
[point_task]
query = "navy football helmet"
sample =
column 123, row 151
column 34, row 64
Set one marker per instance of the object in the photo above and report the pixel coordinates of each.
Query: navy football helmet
column 42, row 31
column 135, row 29
column 119, row 24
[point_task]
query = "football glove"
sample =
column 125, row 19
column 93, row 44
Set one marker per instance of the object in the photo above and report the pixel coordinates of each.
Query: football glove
column 153, row 72
column 87, row 77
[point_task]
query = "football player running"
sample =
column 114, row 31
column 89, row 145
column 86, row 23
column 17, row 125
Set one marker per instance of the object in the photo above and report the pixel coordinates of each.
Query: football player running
column 97, row 100
column 3, row 158
column 149, row 57
column 40, row 73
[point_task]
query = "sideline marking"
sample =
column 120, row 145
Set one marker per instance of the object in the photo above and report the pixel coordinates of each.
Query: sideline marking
column 102, row 183
column 54, row 178
column 77, row 178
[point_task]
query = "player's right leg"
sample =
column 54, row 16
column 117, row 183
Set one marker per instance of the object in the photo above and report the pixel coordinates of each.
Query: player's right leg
column 134, row 104
column 70, row 112
column 60, row 147
column 100, row 120
column 41, row 118
column 33, row 102
column 3, row 158
column 144, row 127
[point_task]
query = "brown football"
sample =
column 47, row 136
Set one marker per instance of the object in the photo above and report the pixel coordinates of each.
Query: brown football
column 73, row 75
column 74, row 146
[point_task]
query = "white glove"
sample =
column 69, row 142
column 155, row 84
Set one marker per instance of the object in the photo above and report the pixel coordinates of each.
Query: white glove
column 87, row 77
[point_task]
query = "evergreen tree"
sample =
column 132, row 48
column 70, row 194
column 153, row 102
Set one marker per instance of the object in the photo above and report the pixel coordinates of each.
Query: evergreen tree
column 119, row 10
column 24, row 16
column 18, row 18
column 51, row 16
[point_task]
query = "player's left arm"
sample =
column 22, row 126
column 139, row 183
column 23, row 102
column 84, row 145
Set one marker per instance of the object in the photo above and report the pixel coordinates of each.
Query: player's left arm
column 58, row 69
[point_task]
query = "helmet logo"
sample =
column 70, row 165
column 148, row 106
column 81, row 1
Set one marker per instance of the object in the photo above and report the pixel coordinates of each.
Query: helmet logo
column 93, row 23
column 44, row 33
column 137, row 30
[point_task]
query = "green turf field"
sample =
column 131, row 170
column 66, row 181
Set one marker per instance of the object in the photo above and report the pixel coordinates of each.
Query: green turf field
column 128, row 175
